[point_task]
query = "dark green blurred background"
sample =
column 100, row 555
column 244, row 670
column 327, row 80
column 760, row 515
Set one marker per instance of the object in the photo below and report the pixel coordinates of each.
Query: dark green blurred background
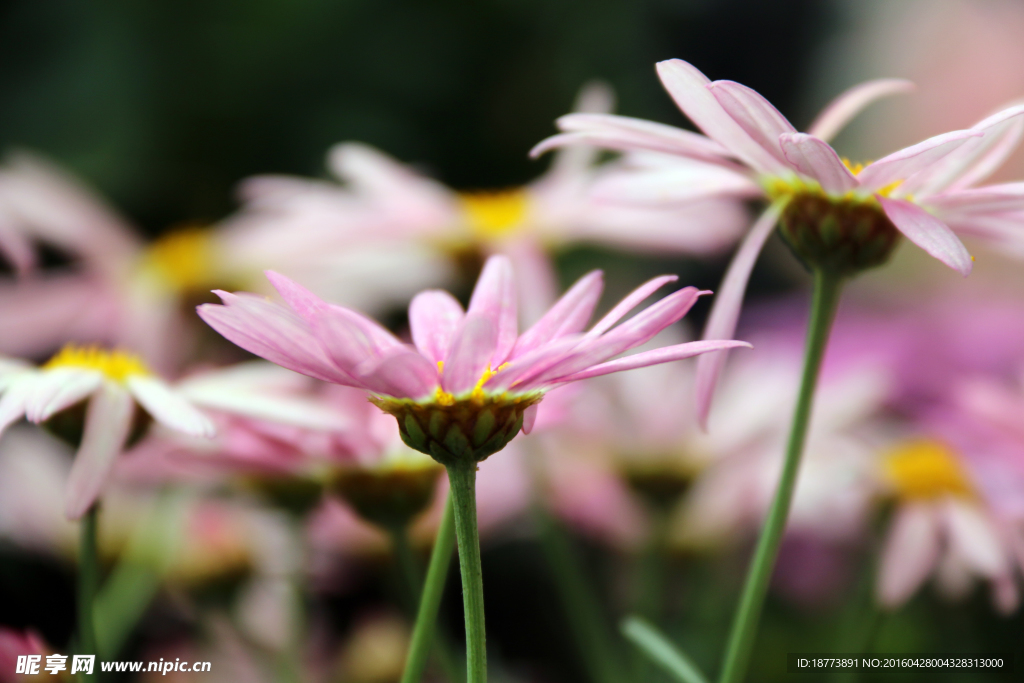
column 165, row 105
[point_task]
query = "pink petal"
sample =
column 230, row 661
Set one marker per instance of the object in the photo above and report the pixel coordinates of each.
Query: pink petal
column 530, row 418
column 15, row 400
column 536, row 279
column 65, row 389
column 634, row 299
column 434, row 316
column 494, row 298
column 910, row 554
column 402, row 373
column 816, row 159
column 688, row 87
column 848, row 104
column 903, row 164
column 533, row 362
column 929, row 233
column 569, row 315
column 755, row 115
column 107, row 421
column 725, row 312
column 168, row 407
column 665, row 354
column 676, row 182
column 625, row 133
column 1003, row 132
column 469, row 354
column 595, row 97
column 271, row 331
column 636, row 331
column 973, row 538
column 344, row 333
column 992, row 198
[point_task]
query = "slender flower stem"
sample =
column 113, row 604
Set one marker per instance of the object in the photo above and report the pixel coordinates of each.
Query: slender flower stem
column 462, row 477
column 427, row 594
column 827, row 287
column 88, row 582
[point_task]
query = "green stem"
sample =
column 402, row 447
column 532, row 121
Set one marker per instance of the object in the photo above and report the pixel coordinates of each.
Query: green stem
column 88, row 582
column 462, row 477
column 651, row 571
column 827, row 288
column 426, row 594
column 406, row 560
column 586, row 618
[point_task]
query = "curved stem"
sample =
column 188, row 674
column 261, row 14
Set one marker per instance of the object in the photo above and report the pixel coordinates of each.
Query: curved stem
column 88, row 581
column 827, row 288
column 426, row 633
column 462, row 477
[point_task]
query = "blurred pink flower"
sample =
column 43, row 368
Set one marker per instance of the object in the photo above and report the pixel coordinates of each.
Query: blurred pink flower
column 14, row 644
column 741, row 464
column 923, row 190
column 114, row 383
column 385, row 203
column 942, row 526
column 458, row 356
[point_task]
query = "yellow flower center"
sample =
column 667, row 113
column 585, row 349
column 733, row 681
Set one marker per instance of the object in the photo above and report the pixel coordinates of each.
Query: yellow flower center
column 442, row 397
column 925, row 469
column 183, row 260
column 115, row 365
column 492, row 215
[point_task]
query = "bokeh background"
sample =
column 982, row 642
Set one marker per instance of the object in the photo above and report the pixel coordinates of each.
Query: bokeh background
column 164, row 106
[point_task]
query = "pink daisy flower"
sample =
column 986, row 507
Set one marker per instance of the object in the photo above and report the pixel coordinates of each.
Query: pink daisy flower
column 470, row 381
column 833, row 213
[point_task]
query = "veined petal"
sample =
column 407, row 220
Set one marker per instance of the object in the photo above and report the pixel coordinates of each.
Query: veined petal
column 533, row 362
column 469, row 354
column 108, row 419
column 350, row 338
column 632, row 300
column 636, row 331
column 168, row 407
column 434, row 316
column 726, row 310
column 928, row 232
column 666, row 354
column 755, row 115
column 569, row 315
column 840, row 111
column 991, row 198
column 910, row 554
column 688, row 87
column 402, row 373
column 625, row 133
column 1003, row 132
column 273, row 332
column 901, row 165
column 816, row 159
column 998, row 136
column 494, row 298
column 59, row 389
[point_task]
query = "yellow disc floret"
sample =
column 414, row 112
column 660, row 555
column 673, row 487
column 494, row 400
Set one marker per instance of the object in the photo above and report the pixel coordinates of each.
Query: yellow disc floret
column 925, row 469
column 115, row 365
column 183, row 260
column 491, row 215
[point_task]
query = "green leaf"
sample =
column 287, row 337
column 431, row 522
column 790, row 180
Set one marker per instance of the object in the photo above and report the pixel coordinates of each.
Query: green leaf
column 661, row 650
